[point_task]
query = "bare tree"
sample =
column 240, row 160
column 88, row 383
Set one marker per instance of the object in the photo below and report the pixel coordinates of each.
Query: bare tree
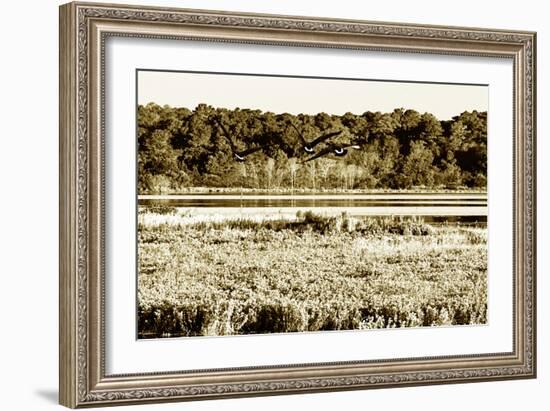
column 352, row 172
column 269, row 168
column 312, row 171
column 254, row 175
column 243, row 173
column 292, row 168
column 341, row 172
column 324, row 171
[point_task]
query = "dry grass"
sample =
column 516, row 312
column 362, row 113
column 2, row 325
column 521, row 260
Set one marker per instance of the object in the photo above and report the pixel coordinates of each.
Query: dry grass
column 213, row 276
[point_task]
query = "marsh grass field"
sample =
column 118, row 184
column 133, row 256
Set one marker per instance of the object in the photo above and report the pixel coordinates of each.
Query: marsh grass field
column 213, row 274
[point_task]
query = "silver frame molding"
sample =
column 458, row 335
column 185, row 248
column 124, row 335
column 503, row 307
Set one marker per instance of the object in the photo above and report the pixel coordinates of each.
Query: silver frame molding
column 83, row 30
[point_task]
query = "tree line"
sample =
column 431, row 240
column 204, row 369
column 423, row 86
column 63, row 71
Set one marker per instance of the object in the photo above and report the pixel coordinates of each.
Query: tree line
column 179, row 148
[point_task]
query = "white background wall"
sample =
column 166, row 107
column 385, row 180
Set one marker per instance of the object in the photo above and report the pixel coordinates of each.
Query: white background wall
column 28, row 205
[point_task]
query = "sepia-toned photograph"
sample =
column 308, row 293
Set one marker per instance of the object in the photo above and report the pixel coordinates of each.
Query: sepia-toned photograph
column 277, row 204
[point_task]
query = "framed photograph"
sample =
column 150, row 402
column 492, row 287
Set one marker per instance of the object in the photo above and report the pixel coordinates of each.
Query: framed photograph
column 260, row 204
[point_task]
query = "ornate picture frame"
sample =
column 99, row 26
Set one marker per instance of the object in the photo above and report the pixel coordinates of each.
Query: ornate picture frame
column 84, row 30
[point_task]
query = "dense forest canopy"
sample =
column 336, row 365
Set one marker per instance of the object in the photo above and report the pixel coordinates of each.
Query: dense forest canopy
column 179, row 148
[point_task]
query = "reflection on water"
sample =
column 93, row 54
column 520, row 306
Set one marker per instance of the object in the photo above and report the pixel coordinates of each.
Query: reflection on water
column 478, row 220
column 434, row 208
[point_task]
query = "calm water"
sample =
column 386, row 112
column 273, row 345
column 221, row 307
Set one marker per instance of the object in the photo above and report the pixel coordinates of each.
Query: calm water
column 438, row 208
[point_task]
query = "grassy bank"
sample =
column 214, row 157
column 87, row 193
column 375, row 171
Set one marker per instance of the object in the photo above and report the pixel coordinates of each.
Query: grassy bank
column 239, row 276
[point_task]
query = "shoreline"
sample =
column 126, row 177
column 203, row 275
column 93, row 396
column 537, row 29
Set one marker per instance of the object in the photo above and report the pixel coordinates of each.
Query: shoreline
column 310, row 191
column 324, row 196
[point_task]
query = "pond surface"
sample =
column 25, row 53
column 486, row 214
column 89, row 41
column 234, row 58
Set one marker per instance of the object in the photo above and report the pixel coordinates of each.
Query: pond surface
column 438, row 208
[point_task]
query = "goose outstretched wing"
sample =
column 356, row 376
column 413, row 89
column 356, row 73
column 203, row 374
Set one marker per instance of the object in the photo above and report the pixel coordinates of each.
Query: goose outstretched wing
column 324, row 137
column 226, row 134
column 317, row 140
column 248, row 151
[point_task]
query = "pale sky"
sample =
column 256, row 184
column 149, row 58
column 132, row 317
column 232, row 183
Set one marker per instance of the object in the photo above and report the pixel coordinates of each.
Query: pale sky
column 307, row 95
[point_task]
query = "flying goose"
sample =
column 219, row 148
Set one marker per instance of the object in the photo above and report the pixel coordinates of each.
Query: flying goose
column 309, row 145
column 239, row 156
column 339, row 150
